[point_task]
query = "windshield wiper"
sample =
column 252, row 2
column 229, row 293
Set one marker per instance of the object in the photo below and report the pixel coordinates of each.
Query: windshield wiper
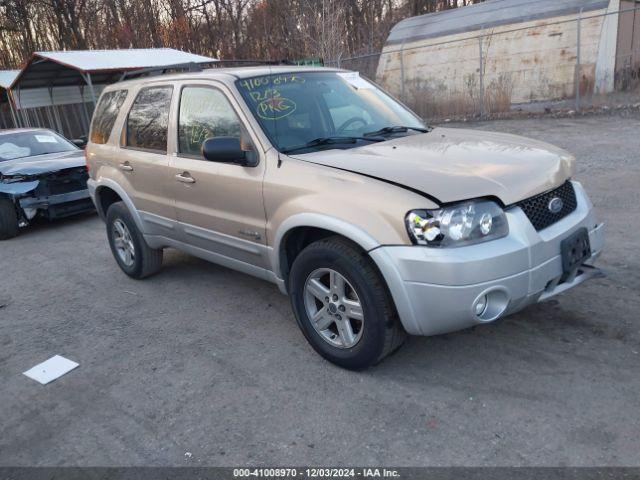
column 332, row 141
column 395, row 129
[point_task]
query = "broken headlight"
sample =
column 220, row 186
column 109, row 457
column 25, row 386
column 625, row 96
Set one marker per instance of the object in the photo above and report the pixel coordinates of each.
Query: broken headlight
column 464, row 223
column 12, row 178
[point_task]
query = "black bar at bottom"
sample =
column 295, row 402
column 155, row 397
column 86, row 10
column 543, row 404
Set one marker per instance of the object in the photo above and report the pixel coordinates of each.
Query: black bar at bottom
column 311, row 473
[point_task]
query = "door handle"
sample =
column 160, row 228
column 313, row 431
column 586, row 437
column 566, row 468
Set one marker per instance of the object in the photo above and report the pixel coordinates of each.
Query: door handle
column 185, row 178
column 126, row 167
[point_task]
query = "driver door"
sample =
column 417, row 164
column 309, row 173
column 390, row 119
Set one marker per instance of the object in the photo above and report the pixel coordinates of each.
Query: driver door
column 219, row 206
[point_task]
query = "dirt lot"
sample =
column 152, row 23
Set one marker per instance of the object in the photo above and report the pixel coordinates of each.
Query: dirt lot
column 204, row 366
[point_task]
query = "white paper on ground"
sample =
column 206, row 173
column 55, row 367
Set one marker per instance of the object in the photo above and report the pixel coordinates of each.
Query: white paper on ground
column 355, row 79
column 51, row 369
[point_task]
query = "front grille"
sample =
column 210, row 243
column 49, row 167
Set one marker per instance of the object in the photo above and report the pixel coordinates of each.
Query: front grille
column 537, row 208
column 65, row 181
column 62, row 185
column 69, row 208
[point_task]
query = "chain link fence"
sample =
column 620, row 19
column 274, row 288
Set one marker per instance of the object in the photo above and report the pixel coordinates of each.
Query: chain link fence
column 576, row 62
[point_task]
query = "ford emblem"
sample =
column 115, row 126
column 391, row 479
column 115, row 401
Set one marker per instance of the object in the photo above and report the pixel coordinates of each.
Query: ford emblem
column 555, row 205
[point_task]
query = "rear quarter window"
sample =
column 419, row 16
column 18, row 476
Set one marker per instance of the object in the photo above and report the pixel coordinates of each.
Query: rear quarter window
column 148, row 119
column 105, row 115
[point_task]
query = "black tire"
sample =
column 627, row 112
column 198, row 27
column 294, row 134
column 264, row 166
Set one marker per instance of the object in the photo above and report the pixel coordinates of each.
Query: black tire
column 147, row 261
column 8, row 219
column 382, row 332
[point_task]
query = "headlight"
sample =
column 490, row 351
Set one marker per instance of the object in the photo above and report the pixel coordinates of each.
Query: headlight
column 457, row 225
column 12, row 178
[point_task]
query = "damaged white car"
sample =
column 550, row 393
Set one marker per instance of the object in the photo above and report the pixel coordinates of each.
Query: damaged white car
column 41, row 175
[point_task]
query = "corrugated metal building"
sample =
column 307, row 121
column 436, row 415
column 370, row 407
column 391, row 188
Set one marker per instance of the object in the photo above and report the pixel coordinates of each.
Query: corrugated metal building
column 7, row 116
column 58, row 90
column 524, row 51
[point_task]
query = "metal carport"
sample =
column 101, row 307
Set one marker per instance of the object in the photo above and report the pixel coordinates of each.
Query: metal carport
column 7, row 113
column 59, row 90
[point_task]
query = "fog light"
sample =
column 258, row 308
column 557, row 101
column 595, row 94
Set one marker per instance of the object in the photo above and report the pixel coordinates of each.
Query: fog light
column 490, row 304
column 481, row 305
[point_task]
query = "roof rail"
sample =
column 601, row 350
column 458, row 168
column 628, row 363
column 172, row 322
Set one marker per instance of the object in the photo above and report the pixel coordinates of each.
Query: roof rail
column 197, row 67
column 249, row 62
column 151, row 71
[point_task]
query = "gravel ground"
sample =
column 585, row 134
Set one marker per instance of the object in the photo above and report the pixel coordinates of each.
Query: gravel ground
column 204, row 366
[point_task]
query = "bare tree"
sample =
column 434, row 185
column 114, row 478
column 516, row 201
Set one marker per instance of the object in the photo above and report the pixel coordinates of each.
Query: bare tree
column 229, row 29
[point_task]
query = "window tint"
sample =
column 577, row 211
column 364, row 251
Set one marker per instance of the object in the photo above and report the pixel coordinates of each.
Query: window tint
column 105, row 115
column 148, row 119
column 204, row 113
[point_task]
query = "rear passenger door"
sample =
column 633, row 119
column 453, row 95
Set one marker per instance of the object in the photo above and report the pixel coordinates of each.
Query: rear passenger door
column 143, row 158
column 220, row 206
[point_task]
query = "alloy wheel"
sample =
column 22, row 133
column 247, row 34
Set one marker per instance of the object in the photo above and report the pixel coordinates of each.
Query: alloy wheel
column 123, row 243
column 334, row 308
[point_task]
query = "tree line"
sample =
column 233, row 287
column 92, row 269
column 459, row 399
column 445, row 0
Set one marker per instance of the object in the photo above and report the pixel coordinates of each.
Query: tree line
column 226, row 29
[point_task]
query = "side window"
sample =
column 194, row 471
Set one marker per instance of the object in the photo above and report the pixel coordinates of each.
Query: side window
column 204, row 113
column 148, row 119
column 105, row 115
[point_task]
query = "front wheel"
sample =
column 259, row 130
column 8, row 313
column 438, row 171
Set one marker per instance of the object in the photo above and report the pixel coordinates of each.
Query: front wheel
column 8, row 219
column 128, row 246
column 342, row 305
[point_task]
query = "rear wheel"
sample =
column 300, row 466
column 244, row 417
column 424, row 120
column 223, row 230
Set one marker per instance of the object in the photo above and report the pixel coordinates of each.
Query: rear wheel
column 342, row 304
column 128, row 246
column 8, row 219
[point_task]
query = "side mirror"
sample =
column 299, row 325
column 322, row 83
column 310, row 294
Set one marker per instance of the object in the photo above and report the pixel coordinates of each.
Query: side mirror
column 79, row 142
column 225, row 150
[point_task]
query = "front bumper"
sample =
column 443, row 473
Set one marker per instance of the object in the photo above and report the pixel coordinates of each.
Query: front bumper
column 61, row 205
column 435, row 290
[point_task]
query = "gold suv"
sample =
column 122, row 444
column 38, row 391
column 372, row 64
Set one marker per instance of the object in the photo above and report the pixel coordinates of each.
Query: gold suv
column 317, row 180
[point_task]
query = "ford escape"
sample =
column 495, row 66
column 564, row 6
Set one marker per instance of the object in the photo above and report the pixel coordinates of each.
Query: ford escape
column 374, row 224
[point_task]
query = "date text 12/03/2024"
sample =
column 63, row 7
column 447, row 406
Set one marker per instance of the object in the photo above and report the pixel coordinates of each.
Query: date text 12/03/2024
column 316, row 473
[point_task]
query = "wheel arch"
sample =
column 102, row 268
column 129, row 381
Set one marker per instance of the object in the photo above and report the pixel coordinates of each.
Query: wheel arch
column 108, row 192
column 295, row 233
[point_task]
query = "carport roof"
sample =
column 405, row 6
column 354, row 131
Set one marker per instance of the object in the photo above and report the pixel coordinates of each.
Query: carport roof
column 56, row 69
column 7, row 77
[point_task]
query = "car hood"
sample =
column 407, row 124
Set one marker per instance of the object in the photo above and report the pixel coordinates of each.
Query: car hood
column 42, row 164
column 451, row 164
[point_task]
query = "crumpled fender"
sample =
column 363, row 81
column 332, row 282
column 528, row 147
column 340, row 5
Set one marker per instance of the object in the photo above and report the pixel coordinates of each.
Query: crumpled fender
column 18, row 188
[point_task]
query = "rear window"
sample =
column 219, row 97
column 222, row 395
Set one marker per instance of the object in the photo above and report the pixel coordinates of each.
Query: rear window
column 105, row 115
column 149, row 118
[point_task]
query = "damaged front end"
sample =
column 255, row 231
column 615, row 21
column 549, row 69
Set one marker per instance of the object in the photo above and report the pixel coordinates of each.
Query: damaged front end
column 49, row 195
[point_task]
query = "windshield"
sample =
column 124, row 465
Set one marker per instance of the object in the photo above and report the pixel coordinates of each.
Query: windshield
column 300, row 108
column 29, row 144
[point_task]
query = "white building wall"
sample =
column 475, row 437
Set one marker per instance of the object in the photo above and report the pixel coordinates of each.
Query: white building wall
column 606, row 62
column 522, row 62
